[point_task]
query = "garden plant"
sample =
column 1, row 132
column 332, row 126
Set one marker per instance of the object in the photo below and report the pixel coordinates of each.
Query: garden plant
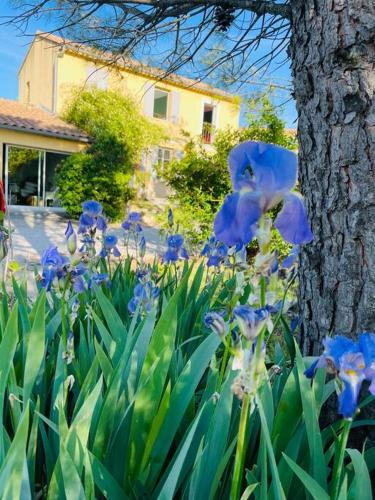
column 180, row 377
column 118, row 133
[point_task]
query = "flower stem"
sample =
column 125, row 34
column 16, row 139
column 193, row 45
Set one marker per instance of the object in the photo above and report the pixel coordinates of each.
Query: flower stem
column 263, row 287
column 109, row 266
column 240, row 450
column 339, row 459
column 63, row 312
column 223, row 365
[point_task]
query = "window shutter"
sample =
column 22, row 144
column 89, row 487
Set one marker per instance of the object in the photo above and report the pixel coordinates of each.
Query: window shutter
column 148, row 99
column 215, row 116
column 175, row 107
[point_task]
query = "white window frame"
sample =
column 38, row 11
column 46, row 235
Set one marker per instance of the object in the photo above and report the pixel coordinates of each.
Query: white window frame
column 159, row 159
column 157, row 89
column 97, row 77
column 215, row 115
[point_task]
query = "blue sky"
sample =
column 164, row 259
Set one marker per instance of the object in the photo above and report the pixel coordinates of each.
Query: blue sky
column 13, row 47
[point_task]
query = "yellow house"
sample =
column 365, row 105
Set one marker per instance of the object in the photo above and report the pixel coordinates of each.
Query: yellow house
column 53, row 66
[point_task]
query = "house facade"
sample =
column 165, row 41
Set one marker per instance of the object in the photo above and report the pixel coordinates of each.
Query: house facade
column 54, row 66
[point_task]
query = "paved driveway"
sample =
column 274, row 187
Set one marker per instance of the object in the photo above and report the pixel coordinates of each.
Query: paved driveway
column 36, row 229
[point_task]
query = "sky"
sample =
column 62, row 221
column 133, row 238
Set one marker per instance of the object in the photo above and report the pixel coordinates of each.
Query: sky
column 14, row 45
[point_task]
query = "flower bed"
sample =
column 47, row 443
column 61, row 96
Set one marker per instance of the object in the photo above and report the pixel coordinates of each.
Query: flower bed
column 178, row 379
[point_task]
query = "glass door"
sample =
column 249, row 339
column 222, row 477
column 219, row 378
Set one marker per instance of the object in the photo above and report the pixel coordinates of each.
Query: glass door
column 30, row 176
column 23, row 174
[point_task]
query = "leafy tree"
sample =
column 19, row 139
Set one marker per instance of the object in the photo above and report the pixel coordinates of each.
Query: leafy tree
column 330, row 44
column 119, row 134
column 200, row 180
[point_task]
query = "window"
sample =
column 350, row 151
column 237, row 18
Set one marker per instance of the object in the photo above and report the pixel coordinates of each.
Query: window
column 97, row 77
column 163, row 156
column 161, row 104
column 208, row 123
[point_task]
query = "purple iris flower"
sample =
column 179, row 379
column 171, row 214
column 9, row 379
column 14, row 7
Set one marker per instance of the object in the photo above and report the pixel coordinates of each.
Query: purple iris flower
column 76, row 276
column 101, row 224
column 290, row 260
column 132, row 223
column 215, row 251
column 91, row 218
column 92, row 208
column 352, row 362
column 99, row 279
column 367, row 343
column 144, row 295
column 71, row 238
column 176, row 249
column 86, row 223
column 273, row 176
column 88, row 243
column 54, row 265
column 250, row 320
column 110, row 246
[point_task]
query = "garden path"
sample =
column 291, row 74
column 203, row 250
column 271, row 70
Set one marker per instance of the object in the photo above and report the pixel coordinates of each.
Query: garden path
column 36, row 229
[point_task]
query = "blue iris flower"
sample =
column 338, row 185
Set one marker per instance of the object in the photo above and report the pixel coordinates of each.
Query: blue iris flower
column 132, row 223
column 92, row 208
column 273, row 176
column 76, row 276
column 91, row 218
column 144, row 296
column 353, row 362
column 291, row 259
column 250, row 320
column 110, row 246
column 54, row 265
column 175, row 249
column 367, row 344
column 99, row 279
column 88, row 244
column 215, row 251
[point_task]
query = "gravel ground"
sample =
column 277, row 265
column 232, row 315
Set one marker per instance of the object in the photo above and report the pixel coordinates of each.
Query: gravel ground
column 36, row 229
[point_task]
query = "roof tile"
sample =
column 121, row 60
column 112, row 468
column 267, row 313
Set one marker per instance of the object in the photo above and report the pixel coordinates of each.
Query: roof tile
column 14, row 115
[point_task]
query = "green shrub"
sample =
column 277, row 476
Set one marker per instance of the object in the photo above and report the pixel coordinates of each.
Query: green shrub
column 119, row 134
column 200, row 180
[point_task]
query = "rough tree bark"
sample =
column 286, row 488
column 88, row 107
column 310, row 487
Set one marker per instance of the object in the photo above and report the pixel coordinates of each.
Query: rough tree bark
column 333, row 61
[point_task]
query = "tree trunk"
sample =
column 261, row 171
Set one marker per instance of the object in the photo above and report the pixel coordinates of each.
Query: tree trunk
column 333, row 61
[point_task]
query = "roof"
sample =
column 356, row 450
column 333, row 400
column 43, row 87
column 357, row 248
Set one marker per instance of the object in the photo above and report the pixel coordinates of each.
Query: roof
column 136, row 66
column 27, row 118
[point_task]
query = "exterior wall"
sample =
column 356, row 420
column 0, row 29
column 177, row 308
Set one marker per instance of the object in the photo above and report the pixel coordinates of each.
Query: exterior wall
column 38, row 70
column 37, row 141
column 78, row 71
column 53, row 71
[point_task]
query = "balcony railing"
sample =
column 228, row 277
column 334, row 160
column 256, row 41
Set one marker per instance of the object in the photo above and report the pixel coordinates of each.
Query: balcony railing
column 207, row 132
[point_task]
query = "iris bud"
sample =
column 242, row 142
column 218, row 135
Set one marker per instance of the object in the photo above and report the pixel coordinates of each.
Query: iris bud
column 71, row 238
column 216, row 322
